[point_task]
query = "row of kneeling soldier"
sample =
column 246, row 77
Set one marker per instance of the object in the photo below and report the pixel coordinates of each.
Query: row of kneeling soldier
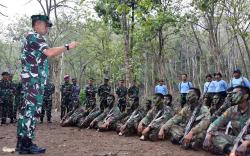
column 222, row 131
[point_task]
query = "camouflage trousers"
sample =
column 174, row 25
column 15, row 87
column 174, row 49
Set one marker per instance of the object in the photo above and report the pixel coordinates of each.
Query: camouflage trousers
column 33, row 89
column 176, row 133
column 85, row 121
column 47, row 107
column 220, row 140
column 130, row 128
column 65, row 107
column 7, row 110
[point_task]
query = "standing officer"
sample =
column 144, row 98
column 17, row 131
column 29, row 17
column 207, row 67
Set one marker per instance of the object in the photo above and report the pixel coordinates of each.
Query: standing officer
column 35, row 70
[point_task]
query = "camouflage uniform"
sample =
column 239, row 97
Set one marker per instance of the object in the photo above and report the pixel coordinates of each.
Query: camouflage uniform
column 121, row 92
column 158, row 121
column 157, row 109
column 103, row 91
column 7, row 100
column 118, row 117
column 236, row 121
column 75, row 99
column 66, row 91
column 175, row 126
column 130, row 125
column 90, row 92
column 18, row 97
column 133, row 91
column 47, row 101
column 72, row 118
column 112, row 116
column 97, row 114
column 35, row 69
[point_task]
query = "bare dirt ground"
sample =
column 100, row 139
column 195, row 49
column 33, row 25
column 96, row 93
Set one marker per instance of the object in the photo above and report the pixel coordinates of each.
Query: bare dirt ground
column 69, row 141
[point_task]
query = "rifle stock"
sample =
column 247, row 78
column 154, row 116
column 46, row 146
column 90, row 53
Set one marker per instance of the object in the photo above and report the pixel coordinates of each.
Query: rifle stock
column 240, row 135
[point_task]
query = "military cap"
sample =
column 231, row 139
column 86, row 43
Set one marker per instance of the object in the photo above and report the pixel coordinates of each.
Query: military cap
column 41, row 18
column 5, row 73
column 237, row 71
column 106, row 78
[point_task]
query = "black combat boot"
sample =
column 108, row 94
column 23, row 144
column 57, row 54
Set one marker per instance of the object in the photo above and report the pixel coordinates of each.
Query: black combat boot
column 18, row 143
column 27, row 147
column 49, row 120
column 41, row 120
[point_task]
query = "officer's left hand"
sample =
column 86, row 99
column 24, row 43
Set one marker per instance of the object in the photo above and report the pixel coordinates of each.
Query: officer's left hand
column 188, row 138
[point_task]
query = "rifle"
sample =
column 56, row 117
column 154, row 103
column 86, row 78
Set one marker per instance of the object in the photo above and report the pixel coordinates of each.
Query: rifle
column 156, row 116
column 240, row 135
column 190, row 123
column 133, row 115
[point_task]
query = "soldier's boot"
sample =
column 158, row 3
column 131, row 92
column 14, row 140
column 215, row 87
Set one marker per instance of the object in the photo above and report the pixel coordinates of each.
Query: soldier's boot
column 227, row 149
column 27, row 147
column 18, row 143
column 49, row 120
column 41, row 120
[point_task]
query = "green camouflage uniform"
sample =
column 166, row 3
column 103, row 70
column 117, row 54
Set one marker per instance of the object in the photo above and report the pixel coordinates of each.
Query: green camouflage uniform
column 133, row 91
column 66, row 91
column 97, row 113
column 47, row 100
column 35, row 69
column 118, row 118
column 18, row 97
column 175, row 126
column 121, row 92
column 156, row 124
column 73, row 116
column 152, row 113
column 132, row 122
column 6, row 89
column 103, row 91
column 113, row 116
column 236, row 121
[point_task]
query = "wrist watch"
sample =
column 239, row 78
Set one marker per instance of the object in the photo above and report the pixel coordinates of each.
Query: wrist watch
column 66, row 46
